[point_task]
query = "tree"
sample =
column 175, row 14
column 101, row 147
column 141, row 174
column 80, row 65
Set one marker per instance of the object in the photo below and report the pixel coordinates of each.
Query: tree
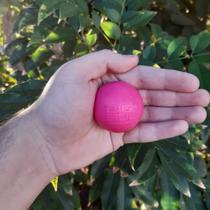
column 167, row 33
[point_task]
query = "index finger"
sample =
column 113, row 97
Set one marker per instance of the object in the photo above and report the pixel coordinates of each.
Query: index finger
column 145, row 77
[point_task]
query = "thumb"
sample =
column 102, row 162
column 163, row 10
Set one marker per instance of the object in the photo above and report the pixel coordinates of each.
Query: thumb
column 95, row 65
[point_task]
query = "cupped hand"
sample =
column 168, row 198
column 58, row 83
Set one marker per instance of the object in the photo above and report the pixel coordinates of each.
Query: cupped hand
column 64, row 112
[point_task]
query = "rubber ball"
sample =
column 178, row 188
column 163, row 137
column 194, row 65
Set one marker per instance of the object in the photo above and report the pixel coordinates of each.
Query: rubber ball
column 118, row 107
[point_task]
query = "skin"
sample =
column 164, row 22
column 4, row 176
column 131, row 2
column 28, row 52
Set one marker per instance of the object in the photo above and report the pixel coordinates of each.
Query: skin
column 63, row 135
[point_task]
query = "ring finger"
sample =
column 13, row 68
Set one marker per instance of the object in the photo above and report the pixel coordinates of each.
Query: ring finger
column 172, row 99
column 192, row 115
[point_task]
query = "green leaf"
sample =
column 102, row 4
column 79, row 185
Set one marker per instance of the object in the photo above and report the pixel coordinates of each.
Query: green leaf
column 69, row 48
column 41, row 31
column 123, row 163
column 51, row 69
column 76, row 198
column 81, row 49
column 68, row 9
column 150, row 173
column 110, row 8
column 194, row 68
column 111, row 29
column 175, row 64
column 147, row 161
column 177, row 47
column 123, row 196
column 144, row 195
column 180, row 162
column 16, row 50
column 203, row 59
column 66, row 183
column 149, row 53
column 18, row 44
column 19, row 97
column 95, row 190
column 12, row 102
column 169, row 194
column 37, row 205
column 180, row 143
column 156, row 30
column 72, row 8
column 60, row 34
column 207, row 199
column 137, row 19
column 109, row 191
column 199, row 183
column 195, row 202
column 79, row 176
column 99, row 166
column 28, row 88
column 91, row 38
column 96, row 19
column 136, row 4
column 200, row 165
column 112, row 14
column 150, row 184
column 201, row 72
column 64, row 199
column 46, row 9
column 207, row 182
column 127, row 43
column 27, row 17
column 205, row 78
column 80, row 22
column 200, row 42
column 83, row 5
column 178, row 180
column 133, row 150
column 41, row 55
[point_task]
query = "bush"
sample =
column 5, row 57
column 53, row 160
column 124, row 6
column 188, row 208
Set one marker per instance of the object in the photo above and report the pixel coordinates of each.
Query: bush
column 169, row 175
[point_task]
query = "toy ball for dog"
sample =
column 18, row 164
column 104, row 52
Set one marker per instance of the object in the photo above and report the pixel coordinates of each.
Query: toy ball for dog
column 118, row 107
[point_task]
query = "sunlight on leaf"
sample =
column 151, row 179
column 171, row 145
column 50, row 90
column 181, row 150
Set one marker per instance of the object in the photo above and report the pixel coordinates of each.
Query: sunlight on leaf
column 111, row 29
column 54, row 183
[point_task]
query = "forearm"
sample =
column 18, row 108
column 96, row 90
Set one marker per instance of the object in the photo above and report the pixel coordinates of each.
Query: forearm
column 23, row 172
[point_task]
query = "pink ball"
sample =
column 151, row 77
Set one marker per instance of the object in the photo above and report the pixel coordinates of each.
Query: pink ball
column 118, row 107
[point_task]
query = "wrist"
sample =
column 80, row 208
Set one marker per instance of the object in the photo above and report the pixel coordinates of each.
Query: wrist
column 37, row 144
column 24, row 170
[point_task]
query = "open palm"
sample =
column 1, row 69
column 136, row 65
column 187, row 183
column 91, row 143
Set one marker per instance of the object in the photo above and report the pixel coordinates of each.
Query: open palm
column 64, row 112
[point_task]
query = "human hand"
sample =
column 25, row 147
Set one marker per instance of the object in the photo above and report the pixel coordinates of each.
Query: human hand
column 64, row 112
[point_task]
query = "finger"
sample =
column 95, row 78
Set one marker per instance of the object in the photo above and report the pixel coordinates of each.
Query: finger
column 148, row 132
column 192, row 115
column 98, row 63
column 169, row 99
column 144, row 77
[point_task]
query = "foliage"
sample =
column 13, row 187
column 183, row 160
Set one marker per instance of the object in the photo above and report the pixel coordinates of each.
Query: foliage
column 169, row 175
